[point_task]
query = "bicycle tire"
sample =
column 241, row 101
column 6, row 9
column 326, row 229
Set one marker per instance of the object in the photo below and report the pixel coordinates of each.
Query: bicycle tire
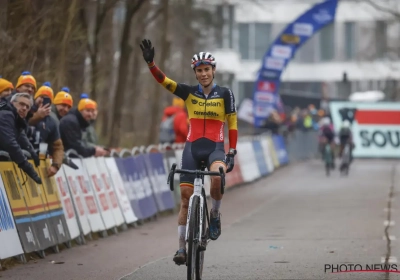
column 328, row 159
column 200, row 254
column 192, row 245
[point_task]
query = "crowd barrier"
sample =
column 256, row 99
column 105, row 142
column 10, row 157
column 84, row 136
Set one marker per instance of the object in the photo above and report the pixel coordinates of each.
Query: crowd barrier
column 110, row 193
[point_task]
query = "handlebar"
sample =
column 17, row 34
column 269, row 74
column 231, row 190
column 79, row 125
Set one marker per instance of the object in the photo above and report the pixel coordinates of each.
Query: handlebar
column 197, row 173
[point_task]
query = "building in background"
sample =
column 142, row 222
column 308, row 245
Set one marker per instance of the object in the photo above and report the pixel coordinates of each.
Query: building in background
column 359, row 52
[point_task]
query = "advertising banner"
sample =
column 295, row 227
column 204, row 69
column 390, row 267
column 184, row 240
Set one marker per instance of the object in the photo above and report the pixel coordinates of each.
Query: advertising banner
column 375, row 127
column 281, row 51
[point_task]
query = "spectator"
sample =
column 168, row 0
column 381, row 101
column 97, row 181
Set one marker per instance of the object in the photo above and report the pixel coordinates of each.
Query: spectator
column 72, row 126
column 273, row 122
column 46, row 131
column 26, row 83
column 6, row 88
column 13, row 124
column 43, row 109
column 90, row 136
column 174, row 124
column 63, row 102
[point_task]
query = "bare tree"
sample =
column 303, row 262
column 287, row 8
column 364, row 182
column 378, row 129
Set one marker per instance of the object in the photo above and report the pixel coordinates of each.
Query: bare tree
column 132, row 7
column 102, row 8
column 156, row 100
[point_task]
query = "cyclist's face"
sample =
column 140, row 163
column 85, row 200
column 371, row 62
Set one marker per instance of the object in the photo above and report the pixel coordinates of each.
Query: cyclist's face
column 204, row 74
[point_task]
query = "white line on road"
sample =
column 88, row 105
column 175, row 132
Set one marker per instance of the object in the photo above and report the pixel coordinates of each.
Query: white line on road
column 391, row 237
column 389, row 223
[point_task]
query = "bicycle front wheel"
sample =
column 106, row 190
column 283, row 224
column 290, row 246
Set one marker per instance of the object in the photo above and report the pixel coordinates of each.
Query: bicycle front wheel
column 203, row 240
column 192, row 238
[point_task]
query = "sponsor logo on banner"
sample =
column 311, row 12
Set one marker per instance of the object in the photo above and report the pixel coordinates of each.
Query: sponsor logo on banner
column 274, row 63
column 266, row 86
column 290, row 39
column 281, row 51
column 303, row 29
column 375, row 127
column 269, row 74
column 322, row 16
column 262, row 96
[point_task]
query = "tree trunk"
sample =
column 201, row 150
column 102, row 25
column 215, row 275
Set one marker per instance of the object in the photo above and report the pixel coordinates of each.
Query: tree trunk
column 131, row 8
column 156, row 99
column 61, row 77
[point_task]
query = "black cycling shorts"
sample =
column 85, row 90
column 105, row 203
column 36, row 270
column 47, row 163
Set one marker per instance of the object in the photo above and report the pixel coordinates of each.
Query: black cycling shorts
column 195, row 152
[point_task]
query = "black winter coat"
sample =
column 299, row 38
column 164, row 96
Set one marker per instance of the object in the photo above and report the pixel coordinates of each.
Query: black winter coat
column 71, row 128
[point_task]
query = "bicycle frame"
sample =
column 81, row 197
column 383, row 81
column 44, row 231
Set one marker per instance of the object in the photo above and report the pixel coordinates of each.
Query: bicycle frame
column 198, row 188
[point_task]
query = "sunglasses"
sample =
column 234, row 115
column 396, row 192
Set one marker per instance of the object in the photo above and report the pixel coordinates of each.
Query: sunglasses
column 206, row 62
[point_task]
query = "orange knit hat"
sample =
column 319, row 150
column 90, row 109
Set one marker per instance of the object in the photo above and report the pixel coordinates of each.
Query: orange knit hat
column 4, row 85
column 26, row 78
column 46, row 90
column 86, row 103
column 63, row 97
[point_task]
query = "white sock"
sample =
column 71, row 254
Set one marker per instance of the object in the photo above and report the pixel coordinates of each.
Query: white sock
column 181, row 235
column 216, row 204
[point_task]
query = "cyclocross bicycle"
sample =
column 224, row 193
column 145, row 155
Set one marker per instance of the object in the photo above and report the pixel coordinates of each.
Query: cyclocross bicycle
column 198, row 220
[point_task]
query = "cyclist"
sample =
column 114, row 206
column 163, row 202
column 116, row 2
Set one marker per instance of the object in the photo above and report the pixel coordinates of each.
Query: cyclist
column 346, row 136
column 208, row 106
column 327, row 135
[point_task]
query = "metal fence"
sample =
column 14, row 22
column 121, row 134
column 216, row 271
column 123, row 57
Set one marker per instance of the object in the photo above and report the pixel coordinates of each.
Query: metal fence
column 302, row 145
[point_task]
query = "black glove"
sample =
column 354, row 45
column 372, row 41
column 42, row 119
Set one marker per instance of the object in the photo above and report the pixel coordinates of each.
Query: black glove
column 148, row 50
column 70, row 163
column 28, row 169
column 230, row 162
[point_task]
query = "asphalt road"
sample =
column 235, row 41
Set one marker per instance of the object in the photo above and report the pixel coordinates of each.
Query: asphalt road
column 290, row 225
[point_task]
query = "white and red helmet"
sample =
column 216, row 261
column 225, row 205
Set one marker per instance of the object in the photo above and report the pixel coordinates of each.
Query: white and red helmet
column 203, row 58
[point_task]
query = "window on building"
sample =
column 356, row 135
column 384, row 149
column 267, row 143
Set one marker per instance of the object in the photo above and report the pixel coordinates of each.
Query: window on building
column 380, row 38
column 231, row 24
column 262, row 39
column 327, row 42
column 244, row 40
column 219, row 23
column 245, row 91
column 254, row 39
column 350, row 40
column 306, row 53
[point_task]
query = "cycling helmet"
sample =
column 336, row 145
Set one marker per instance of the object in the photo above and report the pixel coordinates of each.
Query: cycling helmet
column 203, row 58
column 346, row 124
column 326, row 121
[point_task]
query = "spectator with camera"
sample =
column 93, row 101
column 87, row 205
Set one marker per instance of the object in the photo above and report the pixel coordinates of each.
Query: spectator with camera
column 46, row 133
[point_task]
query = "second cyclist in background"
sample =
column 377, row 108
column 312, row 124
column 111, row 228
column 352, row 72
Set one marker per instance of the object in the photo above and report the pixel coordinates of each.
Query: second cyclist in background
column 346, row 136
column 327, row 135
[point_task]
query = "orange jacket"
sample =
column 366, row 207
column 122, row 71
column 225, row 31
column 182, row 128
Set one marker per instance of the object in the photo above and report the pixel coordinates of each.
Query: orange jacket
column 180, row 122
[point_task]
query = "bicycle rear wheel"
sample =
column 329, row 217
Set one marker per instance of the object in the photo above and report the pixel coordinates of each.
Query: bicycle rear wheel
column 192, row 240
